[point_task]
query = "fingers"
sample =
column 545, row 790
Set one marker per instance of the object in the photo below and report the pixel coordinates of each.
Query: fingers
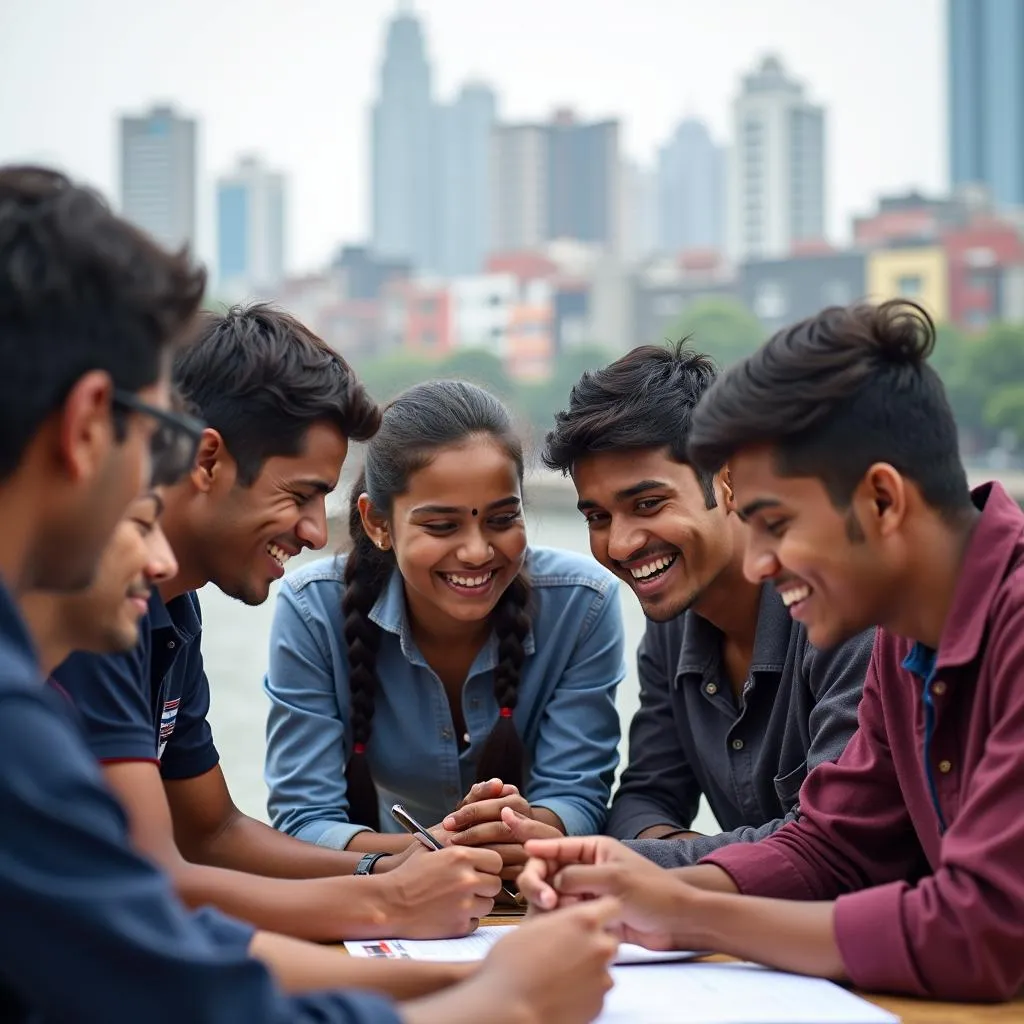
column 567, row 850
column 483, row 810
column 604, row 914
column 533, row 884
column 486, row 834
column 489, row 790
column 522, row 827
column 588, row 881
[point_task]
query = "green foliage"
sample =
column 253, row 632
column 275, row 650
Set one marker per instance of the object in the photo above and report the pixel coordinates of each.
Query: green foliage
column 722, row 328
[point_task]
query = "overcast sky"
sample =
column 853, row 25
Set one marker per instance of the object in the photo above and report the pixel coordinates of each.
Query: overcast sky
column 292, row 80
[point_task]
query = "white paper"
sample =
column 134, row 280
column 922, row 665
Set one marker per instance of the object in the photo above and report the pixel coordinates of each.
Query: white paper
column 730, row 993
column 477, row 946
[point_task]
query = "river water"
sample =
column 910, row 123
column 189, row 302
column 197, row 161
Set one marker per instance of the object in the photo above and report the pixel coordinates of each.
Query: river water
column 235, row 644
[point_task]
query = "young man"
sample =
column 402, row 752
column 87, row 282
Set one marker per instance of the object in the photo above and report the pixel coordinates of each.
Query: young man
column 735, row 703
column 88, row 310
column 906, row 858
column 280, row 408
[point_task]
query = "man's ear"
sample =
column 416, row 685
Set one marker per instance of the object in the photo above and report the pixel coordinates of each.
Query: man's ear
column 85, row 426
column 723, row 477
column 212, row 461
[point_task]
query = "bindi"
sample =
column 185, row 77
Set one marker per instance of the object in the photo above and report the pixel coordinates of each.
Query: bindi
column 474, row 511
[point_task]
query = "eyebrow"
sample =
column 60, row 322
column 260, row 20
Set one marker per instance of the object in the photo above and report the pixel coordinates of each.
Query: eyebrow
column 759, row 505
column 158, row 502
column 313, row 483
column 628, row 492
column 453, row 510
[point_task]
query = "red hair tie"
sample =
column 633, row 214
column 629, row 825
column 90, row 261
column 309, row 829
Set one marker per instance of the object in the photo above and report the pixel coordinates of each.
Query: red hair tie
column 359, row 748
column 505, row 712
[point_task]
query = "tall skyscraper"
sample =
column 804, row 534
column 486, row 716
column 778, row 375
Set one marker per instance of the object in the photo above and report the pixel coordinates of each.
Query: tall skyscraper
column 639, row 217
column 691, row 190
column 404, row 160
column 158, row 175
column 250, row 229
column 519, row 187
column 584, row 193
column 463, row 147
column 776, row 194
column 986, row 96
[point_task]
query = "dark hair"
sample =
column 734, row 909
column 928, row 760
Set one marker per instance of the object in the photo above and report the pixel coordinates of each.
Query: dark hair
column 262, row 379
column 80, row 290
column 643, row 400
column 836, row 393
column 414, row 427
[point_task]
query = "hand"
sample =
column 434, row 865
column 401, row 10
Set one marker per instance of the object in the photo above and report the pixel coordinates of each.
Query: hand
column 655, row 904
column 478, row 822
column 554, row 968
column 441, row 893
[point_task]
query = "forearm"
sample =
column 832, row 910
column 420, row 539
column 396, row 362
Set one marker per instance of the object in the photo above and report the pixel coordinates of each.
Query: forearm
column 379, row 842
column 316, row 909
column 667, row 832
column 300, row 967
column 542, row 814
column 791, row 935
column 245, row 844
column 708, row 877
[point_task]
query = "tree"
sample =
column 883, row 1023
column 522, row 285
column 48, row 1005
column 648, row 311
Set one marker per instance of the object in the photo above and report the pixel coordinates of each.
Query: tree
column 384, row 378
column 478, row 366
column 1004, row 409
column 723, row 328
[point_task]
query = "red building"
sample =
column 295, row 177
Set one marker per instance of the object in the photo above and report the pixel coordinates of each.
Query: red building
column 977, row 255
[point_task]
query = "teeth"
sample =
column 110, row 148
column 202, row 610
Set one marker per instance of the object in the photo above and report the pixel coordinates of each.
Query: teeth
column 648, row 569
column 794, row 594
column 468, row 581
column 278, row 554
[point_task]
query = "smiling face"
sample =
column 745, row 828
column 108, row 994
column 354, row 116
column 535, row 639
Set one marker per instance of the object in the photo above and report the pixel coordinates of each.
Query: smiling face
column 248, row 533
column 835, row 570
column 650, row 525
column 457, row 532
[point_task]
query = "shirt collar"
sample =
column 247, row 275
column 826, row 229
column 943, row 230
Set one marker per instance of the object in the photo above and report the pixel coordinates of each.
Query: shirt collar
column 996, row 539
column 702, row 642
column 389, row 613
column 180, row 614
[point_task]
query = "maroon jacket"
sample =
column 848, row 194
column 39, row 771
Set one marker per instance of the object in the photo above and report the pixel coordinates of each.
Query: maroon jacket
column 918, row 830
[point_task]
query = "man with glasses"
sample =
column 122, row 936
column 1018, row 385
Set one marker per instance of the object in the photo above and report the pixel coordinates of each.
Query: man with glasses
column 280, row 408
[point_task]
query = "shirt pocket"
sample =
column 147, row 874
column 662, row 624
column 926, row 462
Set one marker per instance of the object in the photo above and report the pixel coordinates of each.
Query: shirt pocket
column 787, row 787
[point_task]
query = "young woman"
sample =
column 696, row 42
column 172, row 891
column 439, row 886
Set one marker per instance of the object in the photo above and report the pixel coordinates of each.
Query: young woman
column 442, row 650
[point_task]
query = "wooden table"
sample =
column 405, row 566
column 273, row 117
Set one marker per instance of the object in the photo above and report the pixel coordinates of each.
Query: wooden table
column 910, row 1011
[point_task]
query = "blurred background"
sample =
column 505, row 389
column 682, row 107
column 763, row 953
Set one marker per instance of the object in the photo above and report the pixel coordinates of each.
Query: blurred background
column 515, row 193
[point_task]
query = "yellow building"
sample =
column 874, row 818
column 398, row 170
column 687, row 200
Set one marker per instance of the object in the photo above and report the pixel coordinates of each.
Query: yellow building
column 920, row 273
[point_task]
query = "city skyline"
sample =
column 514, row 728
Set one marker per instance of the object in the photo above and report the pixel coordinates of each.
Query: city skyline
column 309, row 118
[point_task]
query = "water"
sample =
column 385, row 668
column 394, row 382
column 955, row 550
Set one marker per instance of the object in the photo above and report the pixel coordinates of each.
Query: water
column 235, row 646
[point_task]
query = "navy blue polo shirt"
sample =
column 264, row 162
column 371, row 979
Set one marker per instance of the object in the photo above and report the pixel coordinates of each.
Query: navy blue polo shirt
column 90, row 931
column 151, row 703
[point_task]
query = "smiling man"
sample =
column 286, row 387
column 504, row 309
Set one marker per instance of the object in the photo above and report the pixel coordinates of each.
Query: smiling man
column 735, row 703
column 280, row 408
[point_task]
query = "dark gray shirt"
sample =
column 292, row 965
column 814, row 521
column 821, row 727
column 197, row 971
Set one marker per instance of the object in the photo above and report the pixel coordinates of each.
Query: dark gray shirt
column 748, row 756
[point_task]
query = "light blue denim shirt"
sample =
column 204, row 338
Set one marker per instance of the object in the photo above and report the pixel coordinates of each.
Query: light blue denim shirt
column 565, row 715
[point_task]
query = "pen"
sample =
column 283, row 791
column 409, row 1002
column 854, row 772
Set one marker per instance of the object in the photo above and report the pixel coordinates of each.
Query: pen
column 414, row 828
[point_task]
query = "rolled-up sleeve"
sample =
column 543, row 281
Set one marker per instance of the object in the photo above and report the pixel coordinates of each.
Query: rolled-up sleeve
column 307, row 731
column 576, row 752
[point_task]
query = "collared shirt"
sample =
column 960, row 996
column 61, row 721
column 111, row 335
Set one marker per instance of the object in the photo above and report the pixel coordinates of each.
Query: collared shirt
column 90, row 931
column 151, row 703
column 923, row 909
column 749, row 756
column 565, row 713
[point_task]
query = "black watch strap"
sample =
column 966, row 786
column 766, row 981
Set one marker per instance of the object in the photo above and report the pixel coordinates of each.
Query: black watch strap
column 365, row 866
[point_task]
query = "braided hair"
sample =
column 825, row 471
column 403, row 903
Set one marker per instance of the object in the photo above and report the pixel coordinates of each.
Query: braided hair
column 414, row 426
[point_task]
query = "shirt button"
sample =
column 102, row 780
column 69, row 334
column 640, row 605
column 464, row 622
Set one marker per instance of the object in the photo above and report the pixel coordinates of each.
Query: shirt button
column 737, row 744
column 446, row 734
column 170, row 645
column 939, row 688
column 945, row 767
column 711, row 689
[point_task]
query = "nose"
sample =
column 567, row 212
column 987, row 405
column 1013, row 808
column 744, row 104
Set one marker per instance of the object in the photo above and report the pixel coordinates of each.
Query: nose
column 475, row 548
column 625, row 538
column 162, row 565
column 759, row 561
column 312, row 528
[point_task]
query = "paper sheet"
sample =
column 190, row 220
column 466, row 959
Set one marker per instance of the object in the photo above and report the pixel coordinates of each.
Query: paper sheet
column 730, row 993
column 477, row 946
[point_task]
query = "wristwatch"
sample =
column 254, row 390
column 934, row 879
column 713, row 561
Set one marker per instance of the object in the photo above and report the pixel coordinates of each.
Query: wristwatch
column 365, row 866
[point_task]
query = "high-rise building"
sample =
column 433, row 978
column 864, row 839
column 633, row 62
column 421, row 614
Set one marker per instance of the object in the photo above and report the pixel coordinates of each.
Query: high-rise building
column 158, row 175
column 638, row 219
column 691, row 190
column 776, row 193
column 403, row 162
column 463, row 177
column 519, row 187
column 986, row 96
column 250, row 229
column 583, row 180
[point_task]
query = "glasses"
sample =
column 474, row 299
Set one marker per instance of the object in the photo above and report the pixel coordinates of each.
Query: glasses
column 174, row 443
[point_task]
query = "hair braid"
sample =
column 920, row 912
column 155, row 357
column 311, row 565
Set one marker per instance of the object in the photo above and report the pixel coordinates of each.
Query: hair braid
column 366, row 573
column 503, row 754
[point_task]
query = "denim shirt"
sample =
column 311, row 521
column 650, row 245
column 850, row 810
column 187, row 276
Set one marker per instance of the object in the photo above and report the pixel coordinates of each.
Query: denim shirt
column 565, row 715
